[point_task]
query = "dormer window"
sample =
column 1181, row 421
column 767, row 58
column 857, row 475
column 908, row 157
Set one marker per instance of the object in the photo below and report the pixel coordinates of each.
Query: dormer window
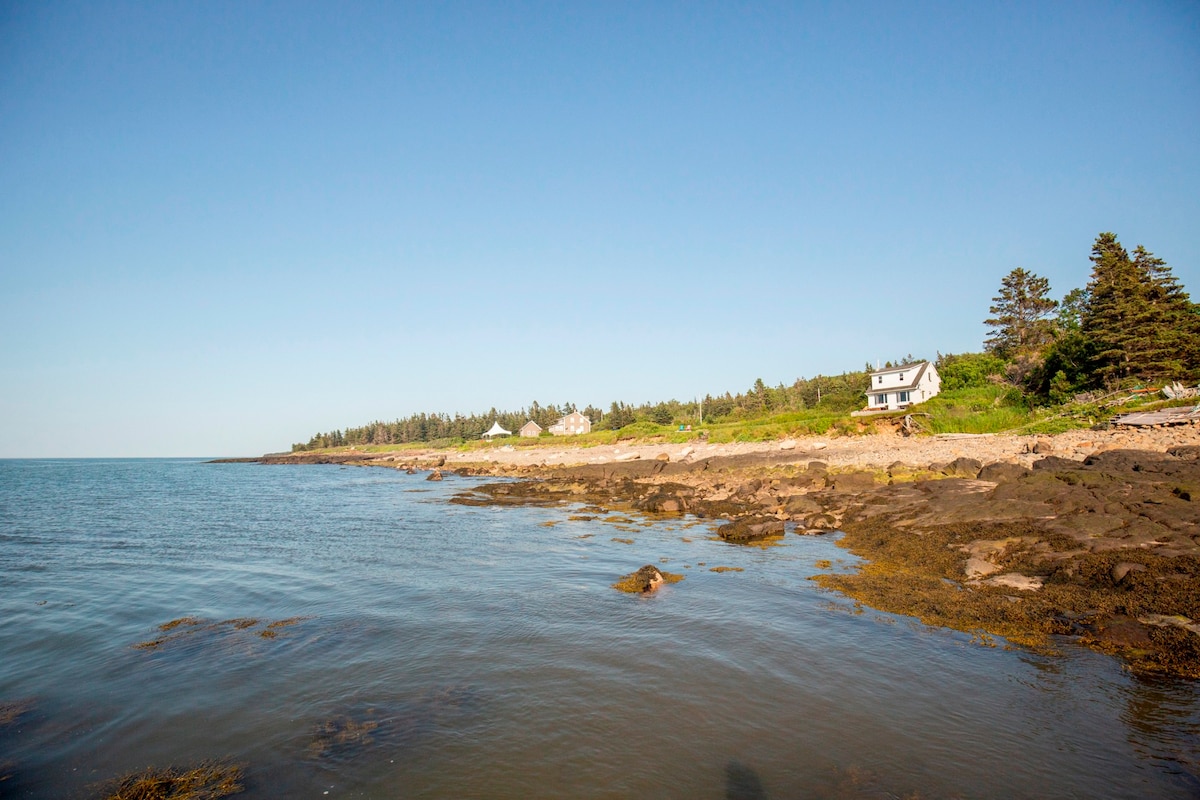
column 901, row 376
column 881, row 380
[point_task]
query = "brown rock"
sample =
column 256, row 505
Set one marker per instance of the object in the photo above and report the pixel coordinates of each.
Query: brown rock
column 1124, row 632
column 853, row 482
column 751, row 529
column 665, row 502
column 647, row 579
column 1056, row 463
column 1123, row 568
column 1002, row 472
column 962, row 467
column 799, row 504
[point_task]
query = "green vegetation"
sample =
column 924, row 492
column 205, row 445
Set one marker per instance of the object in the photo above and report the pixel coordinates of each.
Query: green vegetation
column 1133, row 324
column 1047, row 366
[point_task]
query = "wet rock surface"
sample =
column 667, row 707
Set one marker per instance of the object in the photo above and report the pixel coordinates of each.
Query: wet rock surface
column 745, row 530
column 645, row 580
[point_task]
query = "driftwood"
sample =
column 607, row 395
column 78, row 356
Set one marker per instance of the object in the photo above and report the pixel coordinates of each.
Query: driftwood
column 1167, row 416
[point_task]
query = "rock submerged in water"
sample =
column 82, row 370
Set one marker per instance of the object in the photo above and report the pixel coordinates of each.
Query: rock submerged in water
column 645, row 580
column 751, row 529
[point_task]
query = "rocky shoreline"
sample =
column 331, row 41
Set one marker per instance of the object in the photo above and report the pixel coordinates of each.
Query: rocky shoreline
column 1090, row 535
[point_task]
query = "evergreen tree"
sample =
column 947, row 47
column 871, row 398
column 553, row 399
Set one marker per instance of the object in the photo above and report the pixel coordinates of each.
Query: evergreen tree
column 1019, row 315
column 1173, row 350
column 1070, row 311
column 1138, row 320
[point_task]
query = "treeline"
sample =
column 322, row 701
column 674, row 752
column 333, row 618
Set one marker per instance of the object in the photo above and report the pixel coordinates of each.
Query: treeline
column 431, row 427
column 1132, row 323
column 838, row 393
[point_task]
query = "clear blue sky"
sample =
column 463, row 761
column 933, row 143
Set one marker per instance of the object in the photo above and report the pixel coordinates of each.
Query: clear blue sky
column 225, row 226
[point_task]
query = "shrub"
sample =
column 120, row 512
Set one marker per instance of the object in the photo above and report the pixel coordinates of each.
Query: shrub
column 968, row 370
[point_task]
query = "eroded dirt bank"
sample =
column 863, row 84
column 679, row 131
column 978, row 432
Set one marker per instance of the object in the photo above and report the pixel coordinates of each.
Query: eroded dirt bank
column 1093, row 535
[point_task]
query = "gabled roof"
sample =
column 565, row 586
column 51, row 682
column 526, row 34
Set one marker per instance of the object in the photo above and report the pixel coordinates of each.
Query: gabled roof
column 531, row 422
column 911, row 384
column 901, row 368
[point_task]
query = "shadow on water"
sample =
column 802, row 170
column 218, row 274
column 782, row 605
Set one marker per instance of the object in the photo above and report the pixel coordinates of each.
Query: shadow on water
column 742, row 783
column 1160, row 716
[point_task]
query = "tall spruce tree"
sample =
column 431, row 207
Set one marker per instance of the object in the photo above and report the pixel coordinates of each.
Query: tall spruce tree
column 1173, row 349
column 1139, row 320
column 1019, row 315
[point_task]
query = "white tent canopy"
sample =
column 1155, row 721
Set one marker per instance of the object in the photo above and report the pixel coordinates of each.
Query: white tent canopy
column 496, row 430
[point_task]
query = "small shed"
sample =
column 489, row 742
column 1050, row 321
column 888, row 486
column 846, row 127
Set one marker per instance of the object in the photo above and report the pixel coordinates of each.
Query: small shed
column 495, row 431
column 530, row 430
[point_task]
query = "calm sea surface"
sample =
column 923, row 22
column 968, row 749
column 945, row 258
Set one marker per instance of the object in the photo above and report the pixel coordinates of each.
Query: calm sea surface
column 424, row 649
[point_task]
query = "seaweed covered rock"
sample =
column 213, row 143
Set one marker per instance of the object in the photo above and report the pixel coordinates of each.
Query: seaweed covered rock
column 751, row 529
column 645, row 580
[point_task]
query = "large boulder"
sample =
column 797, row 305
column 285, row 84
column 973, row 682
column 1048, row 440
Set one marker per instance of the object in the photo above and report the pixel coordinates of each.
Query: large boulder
column 962, row 468
column 751, row 529
column 801, row 504
column 853, row 482
column 1002, row 472
column 647, row 579
column 667, row 500
column 1056, row 463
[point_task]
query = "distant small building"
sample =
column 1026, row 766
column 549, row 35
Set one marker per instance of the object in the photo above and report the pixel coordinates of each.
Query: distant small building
column 899, row 387
column 572, row 424
column 530, row 430
column 495, row 431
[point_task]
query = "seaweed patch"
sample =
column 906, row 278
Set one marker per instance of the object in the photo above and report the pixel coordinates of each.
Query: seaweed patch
column 185, row 627
column 203, row 782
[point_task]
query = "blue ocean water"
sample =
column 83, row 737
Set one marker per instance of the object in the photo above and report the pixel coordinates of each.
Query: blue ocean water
column 349, row 632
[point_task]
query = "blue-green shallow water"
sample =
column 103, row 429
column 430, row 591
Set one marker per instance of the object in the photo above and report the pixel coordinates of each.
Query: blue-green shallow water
column 482, row 653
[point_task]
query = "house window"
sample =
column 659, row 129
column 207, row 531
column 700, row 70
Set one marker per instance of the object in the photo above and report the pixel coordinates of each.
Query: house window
column 902, row 397
column 881, row 399
column 901, row 376
column 881, row 380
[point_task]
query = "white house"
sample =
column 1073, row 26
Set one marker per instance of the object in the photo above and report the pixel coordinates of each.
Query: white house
column 573, row 423
column 899, row 387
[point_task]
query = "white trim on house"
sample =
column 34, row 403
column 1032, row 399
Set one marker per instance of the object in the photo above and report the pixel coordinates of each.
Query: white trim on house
column 897, row 388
